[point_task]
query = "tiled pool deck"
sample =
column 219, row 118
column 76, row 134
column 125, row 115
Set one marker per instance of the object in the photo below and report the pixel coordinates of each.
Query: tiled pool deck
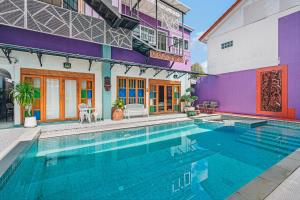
column 282, row 181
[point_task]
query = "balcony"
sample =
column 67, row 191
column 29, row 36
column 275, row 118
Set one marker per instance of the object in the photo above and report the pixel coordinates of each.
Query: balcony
column 157, row 44
column 46, row 18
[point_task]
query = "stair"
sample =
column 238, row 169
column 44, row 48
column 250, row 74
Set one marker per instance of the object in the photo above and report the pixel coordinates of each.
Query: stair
column 267, row 138
column 263, row 146
column 111, row 14
column 141, row 46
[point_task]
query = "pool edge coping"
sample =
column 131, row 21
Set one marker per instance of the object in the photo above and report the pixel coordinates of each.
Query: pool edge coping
column 13, row 154
column 267, row 182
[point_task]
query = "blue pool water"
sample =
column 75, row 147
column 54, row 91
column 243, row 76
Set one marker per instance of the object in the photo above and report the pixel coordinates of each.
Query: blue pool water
column 186, row 160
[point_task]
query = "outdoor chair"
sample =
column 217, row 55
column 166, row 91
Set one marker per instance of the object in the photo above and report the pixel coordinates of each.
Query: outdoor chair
column 83, row 113
column 135, row 110
column 213, row 105
column 204, row 106
column 9, row 111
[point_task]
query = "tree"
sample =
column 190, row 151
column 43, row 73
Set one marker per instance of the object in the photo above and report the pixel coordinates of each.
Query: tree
column 197, row 68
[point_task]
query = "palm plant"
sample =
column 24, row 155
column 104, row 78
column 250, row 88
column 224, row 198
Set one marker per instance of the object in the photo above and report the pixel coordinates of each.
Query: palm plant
column 188, row 98
column 23, row 93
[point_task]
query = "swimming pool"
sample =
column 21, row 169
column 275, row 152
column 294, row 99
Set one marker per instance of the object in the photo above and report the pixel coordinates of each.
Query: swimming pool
column 186, row 160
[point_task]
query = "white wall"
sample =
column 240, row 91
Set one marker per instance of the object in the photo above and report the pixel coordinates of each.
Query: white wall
column 254, row 34
column 27, row 60
column 118, row 70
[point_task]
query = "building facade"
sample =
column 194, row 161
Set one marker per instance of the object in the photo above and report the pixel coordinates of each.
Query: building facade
column 253, row 59
column 94, row 52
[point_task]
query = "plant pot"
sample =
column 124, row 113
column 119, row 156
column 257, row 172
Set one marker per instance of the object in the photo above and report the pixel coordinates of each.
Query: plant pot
column 117, row 114
column 30, row 122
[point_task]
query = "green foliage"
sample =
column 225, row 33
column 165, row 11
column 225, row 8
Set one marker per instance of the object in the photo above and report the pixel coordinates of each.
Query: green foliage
column 23, row 93
column 191, row 113
column 197, row 68
column 187, row 98
column 119, row 104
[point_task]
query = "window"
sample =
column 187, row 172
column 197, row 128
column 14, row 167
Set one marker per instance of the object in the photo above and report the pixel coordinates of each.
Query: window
column 175, row 42
column 178, row 45
column 186, row 44
column 71, row 5
column 162, row 41
column 131, row 90
column 227, row 45
column 148, row 34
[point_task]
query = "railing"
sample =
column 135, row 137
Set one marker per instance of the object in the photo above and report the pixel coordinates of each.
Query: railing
column 46, row 18
column 171, row 45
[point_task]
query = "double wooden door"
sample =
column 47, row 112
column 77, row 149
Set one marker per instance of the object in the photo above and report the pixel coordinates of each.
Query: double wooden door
column 164, row 96
column 57, row 94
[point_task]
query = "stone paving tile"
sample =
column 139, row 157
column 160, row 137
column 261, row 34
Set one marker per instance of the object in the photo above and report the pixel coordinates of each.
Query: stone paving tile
column 257, row 189
column 289, row 189
column 295, row 155
column 289, row 164
column 276, row 174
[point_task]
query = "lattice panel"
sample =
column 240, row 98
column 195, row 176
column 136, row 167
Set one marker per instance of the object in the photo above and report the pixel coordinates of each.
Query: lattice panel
column 87, row 28
column 47, row 18
column 169, row 22
column 12, row 12
column 118, row 37
column 271, row 91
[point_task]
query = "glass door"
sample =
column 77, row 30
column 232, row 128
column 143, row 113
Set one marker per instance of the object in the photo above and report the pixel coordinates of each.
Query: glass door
column 161, row 98
column 53, row 99
column 70, row 99
column 176, row 98
column 169, row 99
column 153, row 99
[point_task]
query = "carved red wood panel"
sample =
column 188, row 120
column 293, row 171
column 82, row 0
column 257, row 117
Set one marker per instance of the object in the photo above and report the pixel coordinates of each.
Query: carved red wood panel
column 271, row 91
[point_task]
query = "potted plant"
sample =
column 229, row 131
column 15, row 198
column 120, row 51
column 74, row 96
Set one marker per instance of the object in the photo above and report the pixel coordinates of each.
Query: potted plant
column 23, row 93
column 187, row 99
column 117, row 111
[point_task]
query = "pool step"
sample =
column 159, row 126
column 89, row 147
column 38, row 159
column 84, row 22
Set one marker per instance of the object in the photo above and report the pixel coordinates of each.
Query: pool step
column 120, row 143
column 263, row 146
column 271, row 137
column 286, row 132
column 270, row 142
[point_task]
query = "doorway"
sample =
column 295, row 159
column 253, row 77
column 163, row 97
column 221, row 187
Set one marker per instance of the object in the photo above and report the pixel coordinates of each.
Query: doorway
column 58, row 94
column 6, row 100
column 164, row 96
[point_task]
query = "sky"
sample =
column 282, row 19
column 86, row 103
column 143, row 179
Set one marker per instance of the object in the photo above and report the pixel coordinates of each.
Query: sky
column 202, row 15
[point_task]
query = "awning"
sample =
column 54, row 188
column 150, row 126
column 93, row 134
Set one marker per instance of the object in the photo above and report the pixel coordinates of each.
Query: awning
column 143, row 67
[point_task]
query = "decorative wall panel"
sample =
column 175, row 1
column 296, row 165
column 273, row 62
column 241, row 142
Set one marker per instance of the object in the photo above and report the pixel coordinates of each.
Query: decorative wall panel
column 12, row 13
column 54, row 20
column 118, row 37
column 87, row 28
column 271, row 91
column 44, row 17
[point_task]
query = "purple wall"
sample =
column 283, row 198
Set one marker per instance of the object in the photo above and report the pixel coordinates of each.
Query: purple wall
column 22, row 37
column 234, row 91
column 289, row 51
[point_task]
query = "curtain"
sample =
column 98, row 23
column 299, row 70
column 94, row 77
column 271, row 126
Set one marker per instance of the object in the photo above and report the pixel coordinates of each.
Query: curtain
column 52, row 99
column 70, row 98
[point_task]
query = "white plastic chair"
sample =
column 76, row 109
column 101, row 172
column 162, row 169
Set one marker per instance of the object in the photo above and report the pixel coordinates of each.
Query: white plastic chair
column 83, row 113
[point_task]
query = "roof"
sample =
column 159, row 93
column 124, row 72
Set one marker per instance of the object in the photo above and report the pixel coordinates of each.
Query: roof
column 203, row 36
column 186, row 27
column 178, row 5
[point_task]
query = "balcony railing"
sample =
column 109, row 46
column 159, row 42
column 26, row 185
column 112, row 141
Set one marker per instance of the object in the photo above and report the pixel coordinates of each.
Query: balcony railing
column 46, row 18
column 165, row 43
